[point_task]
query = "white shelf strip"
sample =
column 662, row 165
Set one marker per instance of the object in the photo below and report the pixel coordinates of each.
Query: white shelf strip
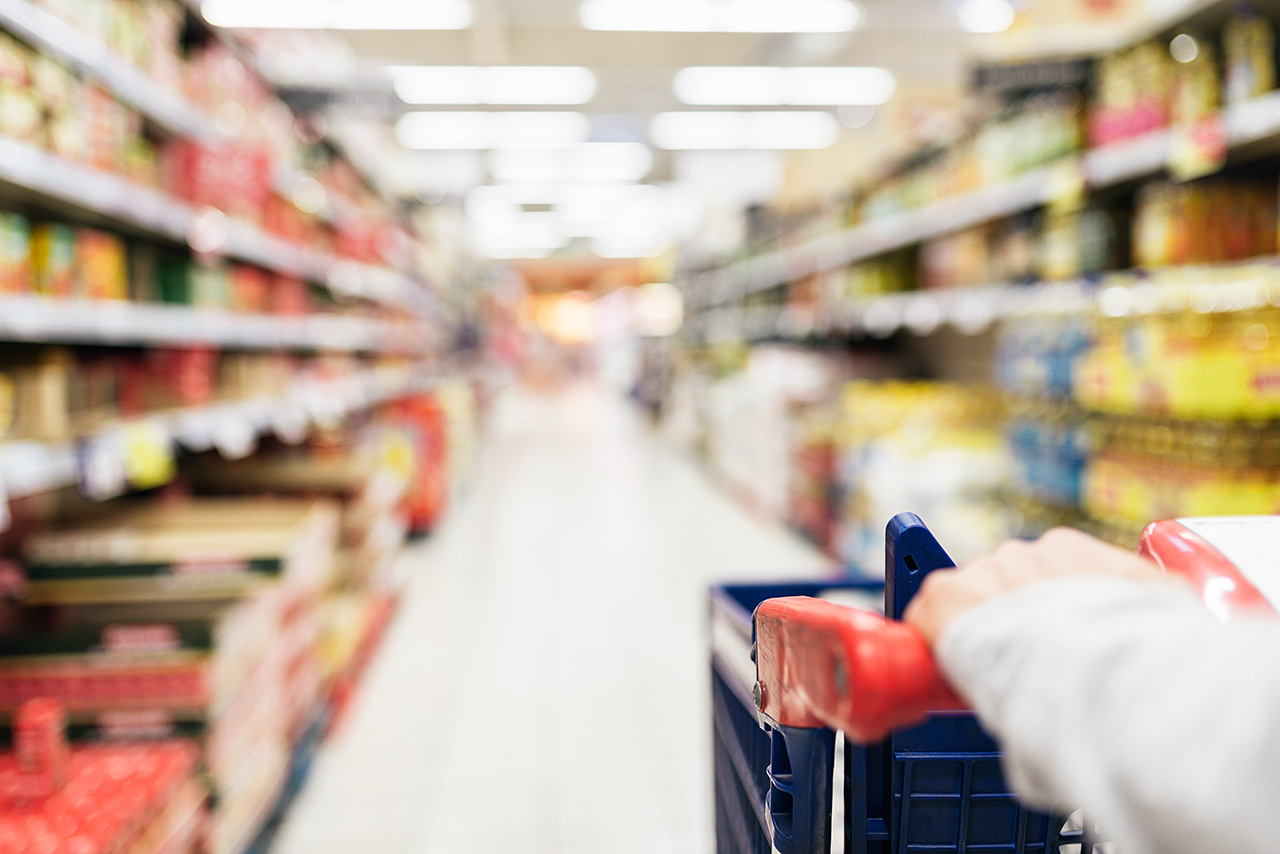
column 1205, row 289
column 36, row 319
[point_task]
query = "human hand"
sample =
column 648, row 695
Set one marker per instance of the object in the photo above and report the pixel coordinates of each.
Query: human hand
column 948, row 593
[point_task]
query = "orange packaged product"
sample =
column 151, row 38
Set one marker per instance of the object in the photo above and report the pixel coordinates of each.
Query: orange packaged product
column 290, row 296
column 101, row 266
column 250, row 288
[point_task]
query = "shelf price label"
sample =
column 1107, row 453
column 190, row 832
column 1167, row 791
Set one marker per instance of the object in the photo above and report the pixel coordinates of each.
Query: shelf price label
column 1198, row 148
column 148, row 455
column 235, row 436
column 100, row 466
column 5, row 517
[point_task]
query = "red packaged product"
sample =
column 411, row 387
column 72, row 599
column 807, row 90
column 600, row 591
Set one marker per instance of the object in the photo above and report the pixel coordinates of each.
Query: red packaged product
column 184, row 376
column 233, row 177
column 359, row 238
column 250, row 288
column 40, row 743
column 290, row 296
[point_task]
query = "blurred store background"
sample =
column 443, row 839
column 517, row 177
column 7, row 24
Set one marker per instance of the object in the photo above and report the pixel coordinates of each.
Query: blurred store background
column 300, row 298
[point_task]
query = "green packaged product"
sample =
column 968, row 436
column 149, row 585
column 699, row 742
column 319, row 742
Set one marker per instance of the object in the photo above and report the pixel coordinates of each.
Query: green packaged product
column 53, row 259
column 15, row 254
column 173, row 275
column 210, row 285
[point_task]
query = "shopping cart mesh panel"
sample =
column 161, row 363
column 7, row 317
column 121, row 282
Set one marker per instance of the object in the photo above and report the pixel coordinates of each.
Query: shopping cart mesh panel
column 961, row 803
column 741, row 758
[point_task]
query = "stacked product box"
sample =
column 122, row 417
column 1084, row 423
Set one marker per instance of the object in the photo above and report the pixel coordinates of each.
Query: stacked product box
column 197, row 618
column 365, row 481
column 55, row 393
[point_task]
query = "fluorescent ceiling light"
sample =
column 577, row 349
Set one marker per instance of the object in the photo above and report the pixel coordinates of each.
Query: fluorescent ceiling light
column 478, row 131
column 453, row 84
column 986, row 16
column 338, row 14
column 722, row 16
column 592, row 161
column 769, row 86
column 727, row 131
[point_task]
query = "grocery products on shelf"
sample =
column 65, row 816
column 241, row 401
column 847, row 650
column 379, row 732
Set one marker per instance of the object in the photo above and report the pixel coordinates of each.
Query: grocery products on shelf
column 143, row 798
column 204, row 301
column 1158, row 469
column 1186, row 365
column 1204, row 221
column 933, row 446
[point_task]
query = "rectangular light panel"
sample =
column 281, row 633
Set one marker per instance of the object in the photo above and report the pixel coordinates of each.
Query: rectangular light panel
column 479, row 131
column 338, row 14
column 499, row 85
column 730, row 131
column 770, row 86
column 722, row 16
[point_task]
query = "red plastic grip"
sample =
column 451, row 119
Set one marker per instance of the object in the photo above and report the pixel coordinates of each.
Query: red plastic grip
column 1223, row 588
column 822, row 664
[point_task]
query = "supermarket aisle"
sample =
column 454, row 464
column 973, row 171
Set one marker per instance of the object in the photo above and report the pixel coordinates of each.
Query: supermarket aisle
column 544, row 688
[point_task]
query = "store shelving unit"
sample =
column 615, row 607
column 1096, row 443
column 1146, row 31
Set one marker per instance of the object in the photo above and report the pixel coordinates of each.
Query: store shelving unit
column 1249, row 124
column 31, row 467
column 31, row 173
column 358, row 373
column 91, row 58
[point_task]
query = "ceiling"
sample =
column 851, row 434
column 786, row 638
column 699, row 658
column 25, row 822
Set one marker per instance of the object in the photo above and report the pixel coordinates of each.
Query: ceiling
column 919, row 41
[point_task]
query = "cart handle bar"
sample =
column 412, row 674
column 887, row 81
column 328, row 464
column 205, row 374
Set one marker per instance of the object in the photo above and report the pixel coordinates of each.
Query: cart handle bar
column 822, row 664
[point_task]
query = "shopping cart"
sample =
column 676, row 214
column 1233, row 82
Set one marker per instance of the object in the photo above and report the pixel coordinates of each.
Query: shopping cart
column 934, row 788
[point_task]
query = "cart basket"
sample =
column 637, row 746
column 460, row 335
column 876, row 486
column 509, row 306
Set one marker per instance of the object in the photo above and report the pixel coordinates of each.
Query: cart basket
column 936, row 787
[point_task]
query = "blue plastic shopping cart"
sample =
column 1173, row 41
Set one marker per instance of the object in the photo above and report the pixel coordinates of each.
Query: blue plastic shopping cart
column 934, row 788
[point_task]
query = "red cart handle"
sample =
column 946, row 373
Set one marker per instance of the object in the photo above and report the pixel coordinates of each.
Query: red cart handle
column 823, row 664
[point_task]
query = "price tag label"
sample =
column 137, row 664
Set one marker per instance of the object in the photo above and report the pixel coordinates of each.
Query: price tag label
column 1067, row 186
column 397, row 455
column 148, row 455
column 289, row 421
column 235, row 437
column 100, row 466
column 1198, row 148
column 5, row 517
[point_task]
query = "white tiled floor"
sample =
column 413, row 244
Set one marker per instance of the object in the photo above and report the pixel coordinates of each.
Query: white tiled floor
column 544, row 687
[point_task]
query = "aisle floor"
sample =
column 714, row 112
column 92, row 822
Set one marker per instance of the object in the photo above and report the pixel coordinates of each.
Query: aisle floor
column 544, row 686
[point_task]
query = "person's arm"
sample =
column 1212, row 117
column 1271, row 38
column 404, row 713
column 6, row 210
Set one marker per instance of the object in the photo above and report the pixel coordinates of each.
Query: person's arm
column 1114, row 691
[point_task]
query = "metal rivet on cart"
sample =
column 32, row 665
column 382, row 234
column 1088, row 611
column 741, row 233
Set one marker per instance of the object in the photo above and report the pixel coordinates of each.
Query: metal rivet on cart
column 757, row 694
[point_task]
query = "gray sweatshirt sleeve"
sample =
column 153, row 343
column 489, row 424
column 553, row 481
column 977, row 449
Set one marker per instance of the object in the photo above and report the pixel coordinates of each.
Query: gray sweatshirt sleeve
column 1130, row 701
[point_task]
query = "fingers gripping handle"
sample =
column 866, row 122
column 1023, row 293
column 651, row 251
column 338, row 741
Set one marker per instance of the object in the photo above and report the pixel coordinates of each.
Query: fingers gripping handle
column 824, row 665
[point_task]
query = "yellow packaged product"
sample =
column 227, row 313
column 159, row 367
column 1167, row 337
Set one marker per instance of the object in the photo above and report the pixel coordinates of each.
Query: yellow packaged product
column 1248, row 48
column 1196, row 91
column 1226, row 492
column 1105, row 379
